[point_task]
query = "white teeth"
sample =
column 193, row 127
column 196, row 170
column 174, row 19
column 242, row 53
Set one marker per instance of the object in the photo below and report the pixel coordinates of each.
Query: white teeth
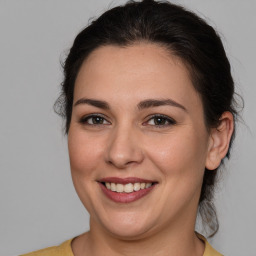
column 148, row 185
column 136, row 187
column 127, row 188
column 142, row 185
column 119, row 188
column 113, row 187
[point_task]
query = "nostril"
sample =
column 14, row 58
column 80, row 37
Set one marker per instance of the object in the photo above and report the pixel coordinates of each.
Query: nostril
column 123, row 150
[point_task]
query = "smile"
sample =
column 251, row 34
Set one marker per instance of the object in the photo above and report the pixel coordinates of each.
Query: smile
column 126, row 190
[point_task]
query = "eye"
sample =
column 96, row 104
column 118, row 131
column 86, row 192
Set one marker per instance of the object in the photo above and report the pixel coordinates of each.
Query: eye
column 94, row 120
column 160, row 121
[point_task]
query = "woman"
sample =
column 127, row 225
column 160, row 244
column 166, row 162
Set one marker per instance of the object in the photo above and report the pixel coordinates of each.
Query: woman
column 149, row 109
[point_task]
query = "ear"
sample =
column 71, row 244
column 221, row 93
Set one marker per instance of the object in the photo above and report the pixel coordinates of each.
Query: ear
column 219, row 141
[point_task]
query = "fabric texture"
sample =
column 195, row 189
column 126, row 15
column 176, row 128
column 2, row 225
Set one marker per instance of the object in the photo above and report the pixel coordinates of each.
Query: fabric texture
column 65, row 250
column 62, row 250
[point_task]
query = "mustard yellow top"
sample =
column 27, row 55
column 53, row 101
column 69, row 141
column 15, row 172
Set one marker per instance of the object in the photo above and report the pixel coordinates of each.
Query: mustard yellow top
column 65, row 250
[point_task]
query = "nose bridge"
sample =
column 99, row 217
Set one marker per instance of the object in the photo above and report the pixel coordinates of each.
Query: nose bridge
column 124, row 146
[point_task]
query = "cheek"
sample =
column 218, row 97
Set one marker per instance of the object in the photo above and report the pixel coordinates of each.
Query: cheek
column 182, row 152
column 84, row 152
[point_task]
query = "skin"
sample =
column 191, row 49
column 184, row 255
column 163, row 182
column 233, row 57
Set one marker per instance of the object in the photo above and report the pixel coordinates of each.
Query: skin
column 127, row 142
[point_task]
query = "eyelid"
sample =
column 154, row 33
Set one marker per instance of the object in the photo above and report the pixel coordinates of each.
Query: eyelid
column 170, row 120
column 83, row 120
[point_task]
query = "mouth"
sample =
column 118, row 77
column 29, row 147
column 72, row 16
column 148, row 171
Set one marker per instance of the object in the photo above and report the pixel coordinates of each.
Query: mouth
column 126, row 190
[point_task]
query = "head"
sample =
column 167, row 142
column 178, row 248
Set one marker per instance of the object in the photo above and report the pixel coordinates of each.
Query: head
column 182, row 36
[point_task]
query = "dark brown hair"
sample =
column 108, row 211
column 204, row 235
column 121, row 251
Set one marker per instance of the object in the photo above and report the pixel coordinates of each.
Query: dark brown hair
column 182, row 33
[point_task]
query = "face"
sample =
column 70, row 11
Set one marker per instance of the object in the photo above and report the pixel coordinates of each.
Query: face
column 137, row 141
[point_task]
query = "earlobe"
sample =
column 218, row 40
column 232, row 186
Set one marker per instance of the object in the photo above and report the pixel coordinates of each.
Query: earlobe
column 219, row 141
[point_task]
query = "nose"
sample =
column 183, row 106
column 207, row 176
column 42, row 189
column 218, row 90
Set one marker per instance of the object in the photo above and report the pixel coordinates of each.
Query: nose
column 124, row 148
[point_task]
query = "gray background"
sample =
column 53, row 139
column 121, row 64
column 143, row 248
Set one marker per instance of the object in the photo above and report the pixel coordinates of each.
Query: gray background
column 39, row 206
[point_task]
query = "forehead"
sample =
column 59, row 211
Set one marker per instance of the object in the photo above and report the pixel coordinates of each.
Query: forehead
column 141, row 70
column 139, row 58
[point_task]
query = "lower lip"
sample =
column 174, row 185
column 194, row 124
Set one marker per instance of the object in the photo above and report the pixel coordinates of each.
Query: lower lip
column 125, row 197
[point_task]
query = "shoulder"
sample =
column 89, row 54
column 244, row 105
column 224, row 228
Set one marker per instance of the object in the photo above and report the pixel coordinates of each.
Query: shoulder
column 62, row 250
column 209, row 250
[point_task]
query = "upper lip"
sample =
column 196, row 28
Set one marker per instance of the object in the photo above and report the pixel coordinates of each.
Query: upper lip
column 125, row 180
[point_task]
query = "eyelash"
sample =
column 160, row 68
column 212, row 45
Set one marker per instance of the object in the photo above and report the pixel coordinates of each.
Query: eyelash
column 164, row 118
column 167, row 120
column 84, row 120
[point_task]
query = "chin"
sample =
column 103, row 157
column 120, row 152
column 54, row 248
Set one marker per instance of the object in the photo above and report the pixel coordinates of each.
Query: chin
column 128, row 227
column 129, row 233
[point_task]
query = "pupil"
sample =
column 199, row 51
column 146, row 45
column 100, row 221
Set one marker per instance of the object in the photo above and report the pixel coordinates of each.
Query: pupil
column 159, row 121
column 97, row 120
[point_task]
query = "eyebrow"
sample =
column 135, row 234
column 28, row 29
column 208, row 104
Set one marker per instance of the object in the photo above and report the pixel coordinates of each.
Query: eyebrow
column 156, row 103
column 142, row 105
column 96, row 103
